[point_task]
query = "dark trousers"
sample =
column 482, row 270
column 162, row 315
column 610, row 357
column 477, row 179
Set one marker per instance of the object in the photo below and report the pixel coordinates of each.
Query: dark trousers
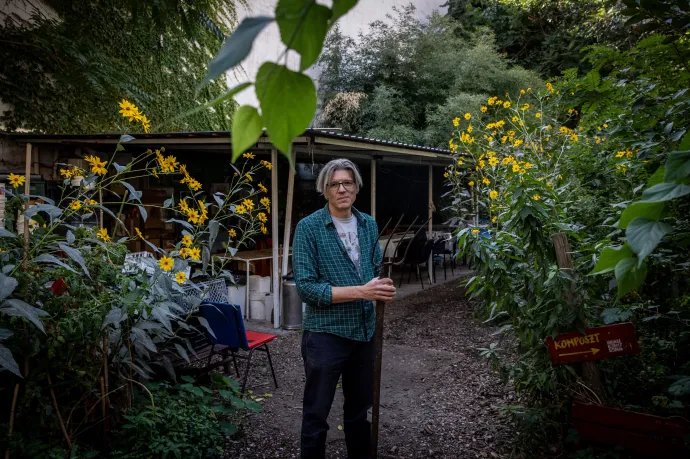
column 326, row 358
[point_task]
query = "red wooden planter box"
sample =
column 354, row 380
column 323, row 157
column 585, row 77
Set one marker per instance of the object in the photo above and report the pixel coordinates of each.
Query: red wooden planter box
column 640, row 434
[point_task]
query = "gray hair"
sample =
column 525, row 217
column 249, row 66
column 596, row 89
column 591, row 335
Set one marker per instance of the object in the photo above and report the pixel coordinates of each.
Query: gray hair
column 329, row 169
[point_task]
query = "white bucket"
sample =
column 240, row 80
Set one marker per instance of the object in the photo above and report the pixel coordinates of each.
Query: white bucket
column 237, row 294
column 268, row 307
column 256, row 309
column 254, row 283
column 265, row 284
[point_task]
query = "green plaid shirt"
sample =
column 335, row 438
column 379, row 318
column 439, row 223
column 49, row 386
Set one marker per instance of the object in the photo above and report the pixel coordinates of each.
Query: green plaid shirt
column 320, row 262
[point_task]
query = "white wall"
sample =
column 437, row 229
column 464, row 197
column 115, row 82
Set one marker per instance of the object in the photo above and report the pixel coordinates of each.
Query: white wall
column 268, row 47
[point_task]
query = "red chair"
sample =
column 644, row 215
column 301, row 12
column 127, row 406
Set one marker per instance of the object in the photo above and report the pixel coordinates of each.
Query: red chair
column 230, row 336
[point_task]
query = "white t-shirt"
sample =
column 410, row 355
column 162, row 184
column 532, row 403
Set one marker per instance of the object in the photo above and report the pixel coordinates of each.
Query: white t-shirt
column 347, row 230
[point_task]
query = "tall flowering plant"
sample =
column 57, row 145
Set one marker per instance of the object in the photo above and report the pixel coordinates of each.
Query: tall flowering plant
column 78, row 319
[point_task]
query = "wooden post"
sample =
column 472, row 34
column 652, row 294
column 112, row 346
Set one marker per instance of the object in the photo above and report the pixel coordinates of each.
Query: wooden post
column 373, row 189
column 378, row 358
column 288, row 214
column 275, row 241
column 27, row 192
column 431, row 220
column 590, row 372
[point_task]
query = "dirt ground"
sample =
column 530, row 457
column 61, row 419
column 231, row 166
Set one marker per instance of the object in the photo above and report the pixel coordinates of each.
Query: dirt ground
column 438, row 399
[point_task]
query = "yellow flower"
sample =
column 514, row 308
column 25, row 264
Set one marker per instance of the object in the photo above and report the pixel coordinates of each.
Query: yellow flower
column 475, row 231
column 471, row 183
column 193, row 216
column 166, row 263
column 493, row 219
column 524, row 107
column 514, row 119
column 91, row 202
column 102, row 234
column 506, row 104
column 248, row 155
column 516, row 167
column 456, row 121
column 75, row 205
column 264, row 230
column 468, row 116
column 262, row 188
column 469, row 128
column 504, row 139
column 522, row 91
column 184, row 252
column 486, row 181
column 240, row 209
column 141, row 236
column 536, row 197
column 483, row 109
column 248, row 176
column 16, row 180
column 493, row 194
column 605, row 125
column 537, row 115
column 517, row 143
column 482, row 163
column 195, row 253
column 180, row 277
column 262, row 217
column 67, row 173
column 187, row 240
column 266, row 203
column 267, row 164
column 493, row 161
column 249, row 204
column 549, row 87
column 232, row 233
column 446, row 175
column 491, row 100
column 574, row 137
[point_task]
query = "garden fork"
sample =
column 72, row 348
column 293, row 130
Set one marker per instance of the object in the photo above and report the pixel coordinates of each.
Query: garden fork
column 380, row 309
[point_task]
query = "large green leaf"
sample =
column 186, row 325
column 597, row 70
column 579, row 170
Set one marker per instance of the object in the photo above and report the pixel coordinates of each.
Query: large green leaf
column 657, row 177
column 665, row 192
column 341, row 7
column 610, row 257
column 246, row 129
column 644, row 235
column 15, row 307
column 7, row 286
column 677, row 165
column 237, row 46
column 8, row 362
column 629, row 275
column 651, row 210
column 288, row 103
column 75, row 255
column 303, row 26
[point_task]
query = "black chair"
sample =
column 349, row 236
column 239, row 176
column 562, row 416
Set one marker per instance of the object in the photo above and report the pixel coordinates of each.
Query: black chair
column 417, row 256
column 441, row 250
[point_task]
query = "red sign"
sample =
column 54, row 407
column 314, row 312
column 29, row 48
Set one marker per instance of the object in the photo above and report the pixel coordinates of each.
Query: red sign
column 596, row 344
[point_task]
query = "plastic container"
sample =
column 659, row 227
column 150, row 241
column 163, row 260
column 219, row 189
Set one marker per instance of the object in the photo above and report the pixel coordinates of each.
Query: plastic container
column 265, row 284
column 238, row 295
column 257, row 309
column 254, row 283
column 268, row 307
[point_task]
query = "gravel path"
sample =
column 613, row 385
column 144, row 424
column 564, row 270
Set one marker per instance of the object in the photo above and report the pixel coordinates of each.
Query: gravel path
column 439, row 399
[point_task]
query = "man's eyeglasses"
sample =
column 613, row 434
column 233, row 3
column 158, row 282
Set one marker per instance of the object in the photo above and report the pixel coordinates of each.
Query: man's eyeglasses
column 349, row 185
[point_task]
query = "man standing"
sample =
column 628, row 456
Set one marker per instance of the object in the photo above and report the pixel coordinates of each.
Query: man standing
column 335, row 277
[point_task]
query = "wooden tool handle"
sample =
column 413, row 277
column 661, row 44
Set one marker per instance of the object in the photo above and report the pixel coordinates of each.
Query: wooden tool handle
column 380, row 309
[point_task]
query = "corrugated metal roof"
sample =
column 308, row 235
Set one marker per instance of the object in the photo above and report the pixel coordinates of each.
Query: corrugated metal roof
column 222, row 134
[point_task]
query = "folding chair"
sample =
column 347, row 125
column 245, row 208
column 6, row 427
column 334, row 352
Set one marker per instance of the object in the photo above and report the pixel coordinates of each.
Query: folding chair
column 226, row 322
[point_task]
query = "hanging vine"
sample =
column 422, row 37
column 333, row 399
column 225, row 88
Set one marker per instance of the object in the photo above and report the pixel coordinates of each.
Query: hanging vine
column 62, row 72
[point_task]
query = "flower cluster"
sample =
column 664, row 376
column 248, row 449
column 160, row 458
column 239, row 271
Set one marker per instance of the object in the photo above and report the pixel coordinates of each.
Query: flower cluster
column 131, row 112
column 192, row 183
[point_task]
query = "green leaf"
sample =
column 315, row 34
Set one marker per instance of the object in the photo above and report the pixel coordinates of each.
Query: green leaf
column 610, row 257
column 680, row 388
column 19, row 308
column 629, row 275
column 213, row 227
column 246, row 130
column 5, row 233
column 237, row 46
column 7, row 286
column 75, row 255
column 303, row 26
column 7, row 361
column 47, row 258
column 288, row 103
column 665, row 192
column 677, row 165
column 657, row 177
column 228, row 428
column 252, row 405
column 612, row 315
column 651, row 210
column 340, row 8
column 644, row 235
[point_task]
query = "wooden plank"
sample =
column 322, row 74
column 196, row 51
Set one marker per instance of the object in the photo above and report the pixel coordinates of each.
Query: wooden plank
column 275, row 265
column 639, row 433
column 595, row 344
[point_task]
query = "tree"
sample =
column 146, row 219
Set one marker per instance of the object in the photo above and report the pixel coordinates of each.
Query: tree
column 417, row 76
column 64, row 70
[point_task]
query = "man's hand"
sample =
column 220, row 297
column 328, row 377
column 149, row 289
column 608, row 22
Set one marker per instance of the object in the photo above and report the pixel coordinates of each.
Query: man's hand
column 378, row 289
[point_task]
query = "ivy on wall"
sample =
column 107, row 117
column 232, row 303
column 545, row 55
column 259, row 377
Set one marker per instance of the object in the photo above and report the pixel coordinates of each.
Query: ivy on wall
column 64, row 73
